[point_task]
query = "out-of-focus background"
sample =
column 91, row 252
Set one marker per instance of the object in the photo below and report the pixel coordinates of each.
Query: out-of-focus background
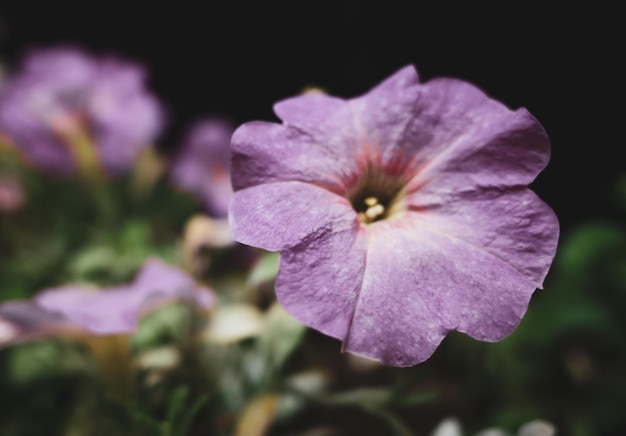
column 238, row 58
column 565, row 364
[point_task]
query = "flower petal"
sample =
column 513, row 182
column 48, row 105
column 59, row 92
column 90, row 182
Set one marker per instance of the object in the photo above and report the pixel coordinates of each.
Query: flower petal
column 384, row 115
column 319, row 115
column 318, row 280
column 157, row 281
column 513, row 225
column 279, row 215
column 202, row 164
column 475, row 140
column 269, row 152
column 21, row 321
column 420, row 284
column 112, row 311
column 370, row 129
column 118, row 309
column 106, row 97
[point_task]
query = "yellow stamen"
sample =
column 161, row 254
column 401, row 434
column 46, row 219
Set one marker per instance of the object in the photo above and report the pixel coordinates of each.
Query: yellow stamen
column 374, row 212
column 371, row 201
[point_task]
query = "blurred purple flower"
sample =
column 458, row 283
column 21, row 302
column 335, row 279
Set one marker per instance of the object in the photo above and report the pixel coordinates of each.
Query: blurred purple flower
column 111, row 311
column 63, row 99
column 401, row 215
column 202, row 164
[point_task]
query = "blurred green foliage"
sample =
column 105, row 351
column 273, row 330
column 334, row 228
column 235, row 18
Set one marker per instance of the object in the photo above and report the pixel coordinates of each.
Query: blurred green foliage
column 564, row 364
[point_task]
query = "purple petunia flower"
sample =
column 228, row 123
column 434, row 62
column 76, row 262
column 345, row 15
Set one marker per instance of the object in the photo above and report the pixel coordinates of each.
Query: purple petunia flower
column 400, row 215
column 202, row 165
column 99, row 312
column 62, row 101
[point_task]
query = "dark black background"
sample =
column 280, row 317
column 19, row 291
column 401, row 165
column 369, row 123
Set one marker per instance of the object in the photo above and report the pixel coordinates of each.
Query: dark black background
column 237, row 58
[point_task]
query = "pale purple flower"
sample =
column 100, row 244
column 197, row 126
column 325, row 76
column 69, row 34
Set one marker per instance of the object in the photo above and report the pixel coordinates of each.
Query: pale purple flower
column 400, row 215
column 202, row 164
column 73, row 309
column 64, row 94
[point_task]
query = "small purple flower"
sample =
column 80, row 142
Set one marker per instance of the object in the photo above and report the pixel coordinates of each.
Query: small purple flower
column 400, row 215
column 61, row 101
column 202, row 164
column 99, row 311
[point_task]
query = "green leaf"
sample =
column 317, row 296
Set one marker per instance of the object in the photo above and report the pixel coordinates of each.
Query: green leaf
column 148, row 423
column 177, row 402
column 192, row 412
column 588, row 245
column 265, row 269
column 281, row 336
column 359, row 397
column 416, row 399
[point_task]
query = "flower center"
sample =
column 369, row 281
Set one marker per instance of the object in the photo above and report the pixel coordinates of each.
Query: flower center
column 376, row 196
column 370, row 210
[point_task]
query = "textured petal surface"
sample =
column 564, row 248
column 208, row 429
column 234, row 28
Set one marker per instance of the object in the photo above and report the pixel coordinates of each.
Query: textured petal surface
column 269, row 152
column 384, row 117
column 362, row 131
column 419, row 284
column 319, row 280
column 474, row 141
column 279, row 215
column 513, row 225
column 328, row 119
